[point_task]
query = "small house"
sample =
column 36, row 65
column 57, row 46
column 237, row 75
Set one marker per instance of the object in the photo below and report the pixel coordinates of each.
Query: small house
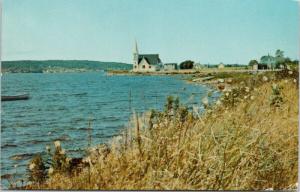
column 221, row 66
column 268, row 60
column 170, row 66
column 255, row 67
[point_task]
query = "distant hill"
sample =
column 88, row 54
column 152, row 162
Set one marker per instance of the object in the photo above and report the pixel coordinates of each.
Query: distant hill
column 52, row 66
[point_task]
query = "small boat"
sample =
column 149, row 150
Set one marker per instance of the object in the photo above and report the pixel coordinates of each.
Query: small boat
column 14, row 98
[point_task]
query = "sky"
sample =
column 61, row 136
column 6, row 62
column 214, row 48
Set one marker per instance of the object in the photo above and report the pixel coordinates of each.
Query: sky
column 205, row 31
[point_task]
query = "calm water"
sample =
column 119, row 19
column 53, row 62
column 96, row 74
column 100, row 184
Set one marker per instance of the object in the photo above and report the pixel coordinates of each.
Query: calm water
column 61, row 106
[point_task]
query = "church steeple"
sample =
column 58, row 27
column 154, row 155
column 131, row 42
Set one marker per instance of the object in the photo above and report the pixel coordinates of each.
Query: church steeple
column 135, row 56
column 135, row 49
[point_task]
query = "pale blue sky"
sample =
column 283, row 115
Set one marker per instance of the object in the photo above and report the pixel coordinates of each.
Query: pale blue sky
column 206, row 31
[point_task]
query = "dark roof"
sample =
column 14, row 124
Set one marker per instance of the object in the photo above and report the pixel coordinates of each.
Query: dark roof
column 170, row 64
column 152, row 59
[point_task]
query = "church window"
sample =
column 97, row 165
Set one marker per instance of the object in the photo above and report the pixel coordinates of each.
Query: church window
column 143, row 66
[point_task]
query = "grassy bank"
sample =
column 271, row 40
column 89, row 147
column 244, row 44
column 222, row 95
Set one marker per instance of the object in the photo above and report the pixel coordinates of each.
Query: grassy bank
column 247, row 140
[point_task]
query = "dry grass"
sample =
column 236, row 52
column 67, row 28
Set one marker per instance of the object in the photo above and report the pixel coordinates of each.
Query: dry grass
column 252, row 145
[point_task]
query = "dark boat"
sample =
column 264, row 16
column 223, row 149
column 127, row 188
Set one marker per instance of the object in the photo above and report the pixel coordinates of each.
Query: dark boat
column 14, row 98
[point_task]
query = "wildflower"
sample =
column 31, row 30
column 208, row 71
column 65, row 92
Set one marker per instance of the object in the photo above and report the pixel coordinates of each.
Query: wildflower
column 62, row 152
column 227, row 89
column 246, row 96
column 68, row 159
column 205, row 101
column 247, row 89
column 295, row 80
column 252, row 97
column 86, row 160
column 221, row 80
column 50, row 171
column 16, row 165
column 290, row 72
column 57, row 144
column 274, row 86
column 31, row 166
column 219, row 102
column 227, row 94
column 265, row 78
column 286, row 81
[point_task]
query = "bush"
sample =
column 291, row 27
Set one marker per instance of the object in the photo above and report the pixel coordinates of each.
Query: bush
column 37, row 169
column 188, row 64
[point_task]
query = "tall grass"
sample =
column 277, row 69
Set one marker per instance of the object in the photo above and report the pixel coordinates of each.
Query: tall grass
column 249, row 145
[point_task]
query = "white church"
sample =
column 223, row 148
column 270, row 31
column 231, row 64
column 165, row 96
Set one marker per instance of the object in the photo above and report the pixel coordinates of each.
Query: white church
column 145, row 62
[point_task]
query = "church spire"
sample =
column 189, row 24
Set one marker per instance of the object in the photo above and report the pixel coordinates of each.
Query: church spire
column 135, row 55
column 135, row 49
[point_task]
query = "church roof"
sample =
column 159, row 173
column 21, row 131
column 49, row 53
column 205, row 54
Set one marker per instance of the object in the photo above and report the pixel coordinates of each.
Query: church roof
column 152, row 59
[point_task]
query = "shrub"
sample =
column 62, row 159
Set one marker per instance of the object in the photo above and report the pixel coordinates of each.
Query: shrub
column 37, row 169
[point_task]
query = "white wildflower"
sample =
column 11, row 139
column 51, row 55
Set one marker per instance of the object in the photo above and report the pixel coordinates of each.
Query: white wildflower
column 221, row 80
column 274, row 86
column 62, row 152
column 68, row 159
column 247, row 89
column 252, row 97
column 246, row 96
column 31, row 166
column 205, row 101
column 295, row 80
column 265, row 78
column 286, row 81
column 87, row 160
column 227, row 94
column 57, row 144
column 16, row 165
column 50, row 171
column 290, row 72
column 219, row 102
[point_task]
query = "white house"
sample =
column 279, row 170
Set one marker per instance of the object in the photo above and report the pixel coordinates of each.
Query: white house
column 268, row 60
column 170, row 66
column 145, row 62
column 221, row 66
